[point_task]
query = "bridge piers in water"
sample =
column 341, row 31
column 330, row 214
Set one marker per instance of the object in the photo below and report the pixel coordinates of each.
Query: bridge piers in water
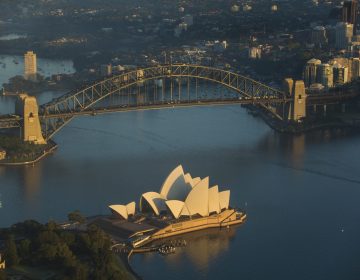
column 27, row 107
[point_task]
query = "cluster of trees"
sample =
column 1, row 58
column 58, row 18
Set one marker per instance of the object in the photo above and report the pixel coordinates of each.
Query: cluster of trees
column 19, row 84
column 71, row 254
column 18, row 149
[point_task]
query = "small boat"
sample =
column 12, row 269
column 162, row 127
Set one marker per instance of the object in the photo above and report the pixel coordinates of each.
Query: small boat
column 166, row 249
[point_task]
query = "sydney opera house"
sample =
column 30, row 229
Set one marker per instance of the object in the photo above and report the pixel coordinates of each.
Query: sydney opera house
column 184, row 204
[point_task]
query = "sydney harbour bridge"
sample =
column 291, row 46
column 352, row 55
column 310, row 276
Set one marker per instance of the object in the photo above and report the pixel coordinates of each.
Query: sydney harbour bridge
column 166, row 86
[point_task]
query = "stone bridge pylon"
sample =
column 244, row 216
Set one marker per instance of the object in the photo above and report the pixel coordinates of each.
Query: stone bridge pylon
column 296, row 89
column 26, row 106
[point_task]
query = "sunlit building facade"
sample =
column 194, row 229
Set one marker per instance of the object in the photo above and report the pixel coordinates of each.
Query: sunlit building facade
column 349, row 13
column 183, row 204
column 340, row 75
column 30, row 66
column 325, row 73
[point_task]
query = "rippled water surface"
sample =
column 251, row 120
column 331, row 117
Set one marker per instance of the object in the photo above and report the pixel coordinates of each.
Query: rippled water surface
column 301, row 193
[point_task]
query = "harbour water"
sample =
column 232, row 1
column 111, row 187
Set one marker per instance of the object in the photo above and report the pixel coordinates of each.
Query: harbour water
column 12, row 36
column 301, row 193
column 11, row 66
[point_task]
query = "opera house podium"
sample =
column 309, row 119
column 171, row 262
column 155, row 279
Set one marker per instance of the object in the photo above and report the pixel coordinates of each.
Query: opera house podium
column 184, row 204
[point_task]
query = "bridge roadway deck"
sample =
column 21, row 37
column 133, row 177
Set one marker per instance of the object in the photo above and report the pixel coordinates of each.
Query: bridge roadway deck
column 313, row 99
column 13, row 121
column 164, row 105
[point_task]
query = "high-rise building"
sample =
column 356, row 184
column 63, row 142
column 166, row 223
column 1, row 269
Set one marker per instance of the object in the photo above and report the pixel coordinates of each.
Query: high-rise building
column 344, row 62
column 340, row 74
column 310, row 71
column 30, row 66
column 318, row 35
column 355, row 67
column 331, row 34
column 254, row 53
column 344, row 33
column 325, row 73
column 354, row 47
column 105, row 69
column 349, row 13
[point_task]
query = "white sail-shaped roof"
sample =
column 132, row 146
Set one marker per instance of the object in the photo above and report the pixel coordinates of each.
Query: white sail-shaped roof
column 130, row 208
column 192, row 181
column 188, row 178
column 196, row 181
column 170, row 180
column 182, row 195
column 224, row 199
column 120, row 210
column 154, row 200
column 175, row 207
column 179, row 190
column 185, row 211
column 214, row 203
column 197, row 202
column 176, row 186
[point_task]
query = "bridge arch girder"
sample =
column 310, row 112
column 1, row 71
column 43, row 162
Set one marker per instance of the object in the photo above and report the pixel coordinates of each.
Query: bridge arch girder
column 87, row 97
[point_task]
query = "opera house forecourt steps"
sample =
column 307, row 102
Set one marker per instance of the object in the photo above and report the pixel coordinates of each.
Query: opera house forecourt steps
column 184, row 204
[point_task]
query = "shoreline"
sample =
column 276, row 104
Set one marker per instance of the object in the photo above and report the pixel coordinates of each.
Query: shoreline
column 126, row 261
column 274, row 124
column 297, row 129
column 45, row 153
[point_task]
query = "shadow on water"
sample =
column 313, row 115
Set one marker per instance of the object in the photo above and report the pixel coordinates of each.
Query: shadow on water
column 202, row 249
column 293, row 148
column 295, row 145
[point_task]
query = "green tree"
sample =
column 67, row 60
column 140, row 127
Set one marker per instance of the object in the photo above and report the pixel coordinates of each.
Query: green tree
column 51, row 226
column 78, row 272
column 76, row 216
column 11, row 254
column 2, row 275
column 24, row 249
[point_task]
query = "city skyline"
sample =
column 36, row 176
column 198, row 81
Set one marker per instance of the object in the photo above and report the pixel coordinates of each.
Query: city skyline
column 103, row 103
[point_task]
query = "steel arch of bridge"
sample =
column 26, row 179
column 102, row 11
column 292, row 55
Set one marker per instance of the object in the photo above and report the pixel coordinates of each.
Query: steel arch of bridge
column 60, row 111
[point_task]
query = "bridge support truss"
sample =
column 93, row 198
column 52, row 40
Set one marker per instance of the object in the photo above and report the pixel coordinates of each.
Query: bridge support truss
column 57, row 113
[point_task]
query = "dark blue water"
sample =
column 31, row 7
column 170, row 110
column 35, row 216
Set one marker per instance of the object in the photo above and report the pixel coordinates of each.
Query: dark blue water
column 301, row 193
